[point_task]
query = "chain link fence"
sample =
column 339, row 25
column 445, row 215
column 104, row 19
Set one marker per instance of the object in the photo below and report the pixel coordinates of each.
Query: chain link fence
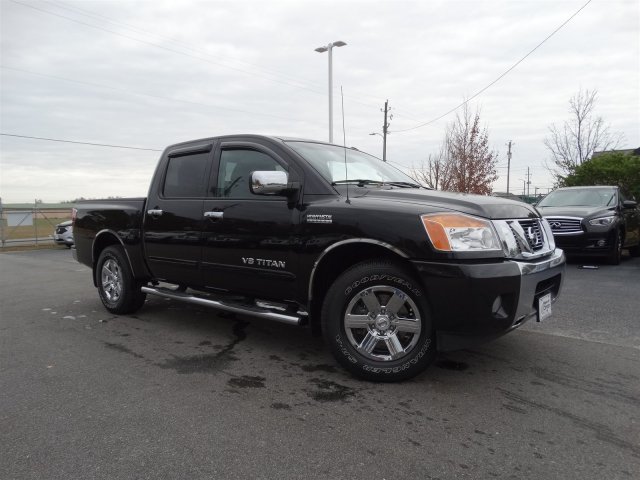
column 30, row 226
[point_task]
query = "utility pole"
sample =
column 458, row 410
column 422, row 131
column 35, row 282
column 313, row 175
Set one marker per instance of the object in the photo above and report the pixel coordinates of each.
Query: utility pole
column 385, row 130
column 528, row 180
column 508, row 165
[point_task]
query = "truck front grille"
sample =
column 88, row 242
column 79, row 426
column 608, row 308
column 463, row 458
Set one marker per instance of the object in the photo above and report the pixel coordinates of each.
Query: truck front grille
column 524, row 238
column 533, row 233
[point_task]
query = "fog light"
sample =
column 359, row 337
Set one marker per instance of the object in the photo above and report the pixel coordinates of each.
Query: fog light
column 601, row 243
column 497, row 309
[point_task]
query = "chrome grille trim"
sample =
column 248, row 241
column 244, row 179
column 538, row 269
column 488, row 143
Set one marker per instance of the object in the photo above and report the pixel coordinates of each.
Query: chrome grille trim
column 525, row 239
column 533, row 233
column 565, row 225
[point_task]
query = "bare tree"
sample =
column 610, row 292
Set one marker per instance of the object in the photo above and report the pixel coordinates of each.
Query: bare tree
column 435, row 173
column 576, row 140
column 465, row 163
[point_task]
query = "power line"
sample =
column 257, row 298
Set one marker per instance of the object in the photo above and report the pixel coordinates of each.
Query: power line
column 208, row 105
column 200, row 57
column 133, row 28
column 163, row 47
column 500, row 76
column 79, row 143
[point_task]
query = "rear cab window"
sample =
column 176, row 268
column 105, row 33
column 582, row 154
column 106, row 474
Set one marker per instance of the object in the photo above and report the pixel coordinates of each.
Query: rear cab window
column 186, row 176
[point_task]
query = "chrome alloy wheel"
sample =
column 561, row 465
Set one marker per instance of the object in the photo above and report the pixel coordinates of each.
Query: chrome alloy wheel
column 111, row 280
column 382, row 323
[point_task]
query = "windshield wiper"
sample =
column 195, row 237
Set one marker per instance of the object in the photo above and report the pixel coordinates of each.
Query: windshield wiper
column 360, row 181
column 404, row 184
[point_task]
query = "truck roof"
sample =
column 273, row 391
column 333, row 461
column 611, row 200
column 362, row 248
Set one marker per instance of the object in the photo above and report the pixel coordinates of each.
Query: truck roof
column 280, row 138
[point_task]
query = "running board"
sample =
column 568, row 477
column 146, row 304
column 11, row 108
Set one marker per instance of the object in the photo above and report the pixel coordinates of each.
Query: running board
column 235, row 307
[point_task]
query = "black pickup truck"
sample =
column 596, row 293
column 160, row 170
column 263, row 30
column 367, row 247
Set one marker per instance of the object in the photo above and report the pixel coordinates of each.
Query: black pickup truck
column 305, row 232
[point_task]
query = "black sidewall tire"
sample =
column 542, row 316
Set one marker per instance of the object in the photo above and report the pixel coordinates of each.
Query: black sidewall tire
column 132, row 298
column 615, row 255
column 349, row 284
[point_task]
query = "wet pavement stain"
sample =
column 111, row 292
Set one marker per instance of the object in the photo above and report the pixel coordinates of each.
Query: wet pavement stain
column 319, row 368
column 280, row 406
column 601, row 431
column 513, row 408
column 204, row 342
column 330, row 391
column 247, row 381
column 121, row 348
column 451, row 365
column 209, row 363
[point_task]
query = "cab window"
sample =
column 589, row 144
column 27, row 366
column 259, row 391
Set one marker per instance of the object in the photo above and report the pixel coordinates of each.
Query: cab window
column 236, row 166
column 185, row 176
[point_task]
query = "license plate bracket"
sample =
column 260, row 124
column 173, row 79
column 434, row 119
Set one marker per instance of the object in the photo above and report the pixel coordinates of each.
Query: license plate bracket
column 544, row 307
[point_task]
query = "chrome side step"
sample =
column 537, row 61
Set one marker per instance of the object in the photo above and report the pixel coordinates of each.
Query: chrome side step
column 228, row 306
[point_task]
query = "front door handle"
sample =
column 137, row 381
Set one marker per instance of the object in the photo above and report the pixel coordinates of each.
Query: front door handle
column 214, row 215
column 155, row 213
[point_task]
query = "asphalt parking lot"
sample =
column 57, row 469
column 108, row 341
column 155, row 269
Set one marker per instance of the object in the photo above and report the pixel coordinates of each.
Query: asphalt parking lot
column 178, row 391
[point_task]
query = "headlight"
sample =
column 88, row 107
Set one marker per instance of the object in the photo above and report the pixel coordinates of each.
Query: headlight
column 454, row 232
column 602, row 221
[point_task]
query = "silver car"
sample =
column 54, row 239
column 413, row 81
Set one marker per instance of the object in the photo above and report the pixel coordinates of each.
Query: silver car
column 63, row 234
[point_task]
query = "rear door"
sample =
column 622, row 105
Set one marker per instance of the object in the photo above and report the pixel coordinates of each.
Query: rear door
column 173, row 220
column 248, row 239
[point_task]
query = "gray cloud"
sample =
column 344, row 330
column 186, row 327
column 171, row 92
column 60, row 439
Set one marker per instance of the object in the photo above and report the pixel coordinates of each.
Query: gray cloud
column 256, row 71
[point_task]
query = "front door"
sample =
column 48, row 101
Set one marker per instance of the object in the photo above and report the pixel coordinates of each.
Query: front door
column 248, row 239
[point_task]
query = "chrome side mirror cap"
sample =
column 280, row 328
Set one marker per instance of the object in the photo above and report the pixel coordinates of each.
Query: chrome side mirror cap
column 269, row 182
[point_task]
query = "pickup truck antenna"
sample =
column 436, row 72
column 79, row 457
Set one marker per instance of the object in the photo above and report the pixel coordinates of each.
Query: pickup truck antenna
column 344, row 146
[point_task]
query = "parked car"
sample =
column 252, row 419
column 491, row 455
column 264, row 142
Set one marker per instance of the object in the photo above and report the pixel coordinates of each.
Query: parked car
column 63, row 234
column 598, row 221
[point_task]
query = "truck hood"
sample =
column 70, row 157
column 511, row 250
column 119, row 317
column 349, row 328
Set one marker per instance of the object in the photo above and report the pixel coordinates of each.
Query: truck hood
column 483, row 206
column 575, row 211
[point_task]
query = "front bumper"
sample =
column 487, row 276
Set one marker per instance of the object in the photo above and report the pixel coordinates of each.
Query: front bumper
column 473, row 303
column 63, row 241
column 587, row 243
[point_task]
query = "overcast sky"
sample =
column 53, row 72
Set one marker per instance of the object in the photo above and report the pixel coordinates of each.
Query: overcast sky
column 149, row 74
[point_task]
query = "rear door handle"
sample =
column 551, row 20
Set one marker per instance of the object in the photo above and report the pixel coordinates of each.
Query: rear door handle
column 214, row 215
column 155, row 213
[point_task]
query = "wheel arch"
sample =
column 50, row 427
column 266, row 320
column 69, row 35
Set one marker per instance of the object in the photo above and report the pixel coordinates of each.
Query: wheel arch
column 346, row 253
column 103, row 239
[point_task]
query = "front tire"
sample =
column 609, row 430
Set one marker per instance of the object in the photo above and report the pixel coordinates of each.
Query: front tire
column 376, row 320
column 118, row 289
column 615, row 255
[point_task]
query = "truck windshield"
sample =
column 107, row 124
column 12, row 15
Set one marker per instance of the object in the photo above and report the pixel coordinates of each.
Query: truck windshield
column 588, row 197
column 360, row 168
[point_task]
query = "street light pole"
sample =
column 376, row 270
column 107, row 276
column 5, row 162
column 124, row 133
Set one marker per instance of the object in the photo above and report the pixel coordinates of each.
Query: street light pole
column 329, row 48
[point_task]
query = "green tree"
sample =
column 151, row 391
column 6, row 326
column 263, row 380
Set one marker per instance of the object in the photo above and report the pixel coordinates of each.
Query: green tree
column 612, row 168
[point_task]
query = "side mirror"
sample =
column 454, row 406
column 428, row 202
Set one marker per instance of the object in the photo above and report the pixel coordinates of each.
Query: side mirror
column 269, row 182
column 629, row 204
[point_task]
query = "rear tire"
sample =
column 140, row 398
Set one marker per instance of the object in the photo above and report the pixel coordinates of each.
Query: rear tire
column 376, row 320
column 118, row 289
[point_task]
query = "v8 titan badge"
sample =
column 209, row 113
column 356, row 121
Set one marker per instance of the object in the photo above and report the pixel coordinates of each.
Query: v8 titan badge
column 544, row 307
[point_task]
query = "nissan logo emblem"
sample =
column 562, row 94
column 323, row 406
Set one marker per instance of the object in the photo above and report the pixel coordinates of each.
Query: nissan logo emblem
column 555, row 225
